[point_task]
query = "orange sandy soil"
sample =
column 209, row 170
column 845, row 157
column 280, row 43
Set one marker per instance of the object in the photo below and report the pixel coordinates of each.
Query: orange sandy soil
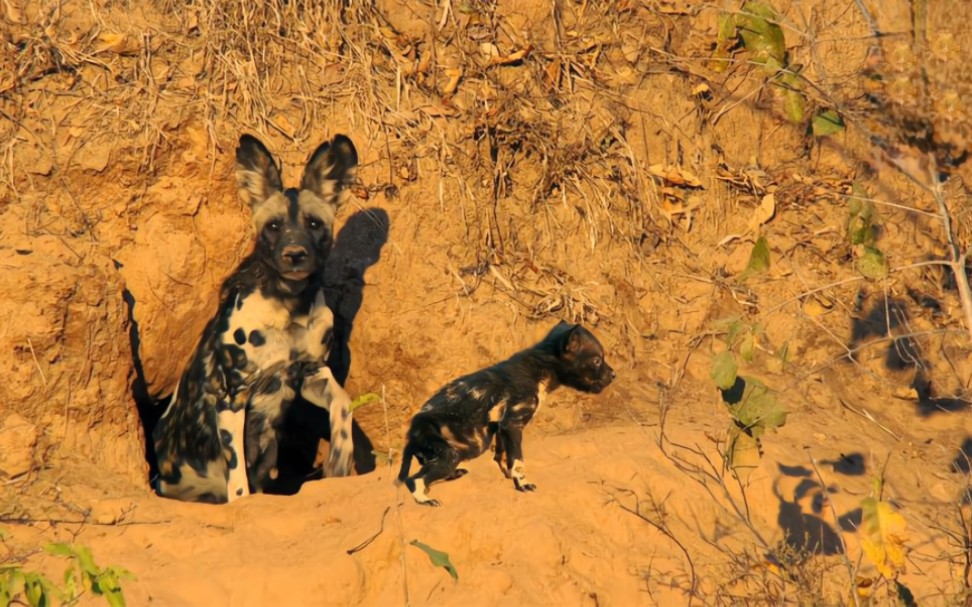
column 522, row 163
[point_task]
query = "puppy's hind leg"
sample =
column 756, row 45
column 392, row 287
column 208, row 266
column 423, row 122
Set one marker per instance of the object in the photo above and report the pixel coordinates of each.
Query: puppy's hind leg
column 500, row 450
column 439, row 461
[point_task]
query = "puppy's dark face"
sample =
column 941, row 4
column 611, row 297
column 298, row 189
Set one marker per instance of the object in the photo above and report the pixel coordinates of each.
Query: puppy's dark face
column 582, row 361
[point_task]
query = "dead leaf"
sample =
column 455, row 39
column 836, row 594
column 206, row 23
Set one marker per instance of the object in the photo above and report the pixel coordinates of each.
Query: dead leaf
column 454, row 74
column 397, row 43
column 904, row 393
column 438, row 111
column 552, row 75
column 15, row 11
column 122, row 44
column 763, row 213
column 812, row 307
column 674, row 7
column 512, row 57
column 675, row 176
column 489, row 50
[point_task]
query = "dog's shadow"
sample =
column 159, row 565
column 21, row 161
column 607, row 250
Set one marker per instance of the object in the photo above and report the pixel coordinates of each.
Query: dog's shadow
column 357, row 247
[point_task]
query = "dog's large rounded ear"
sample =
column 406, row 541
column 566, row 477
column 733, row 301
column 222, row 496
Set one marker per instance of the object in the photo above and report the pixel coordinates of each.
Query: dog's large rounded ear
column 257, row 174
column 572, row 340
column 330, row 168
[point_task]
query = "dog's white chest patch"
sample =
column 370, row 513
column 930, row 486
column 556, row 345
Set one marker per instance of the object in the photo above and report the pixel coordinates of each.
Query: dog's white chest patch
column 269, row 334
column 259, row 326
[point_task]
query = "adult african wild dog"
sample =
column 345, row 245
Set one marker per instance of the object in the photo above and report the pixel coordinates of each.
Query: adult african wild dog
column 267, row 343
column 459, row 422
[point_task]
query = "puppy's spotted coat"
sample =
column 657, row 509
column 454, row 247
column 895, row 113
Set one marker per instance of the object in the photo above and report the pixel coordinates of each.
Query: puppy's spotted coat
column 459, row 422
column 268, row 342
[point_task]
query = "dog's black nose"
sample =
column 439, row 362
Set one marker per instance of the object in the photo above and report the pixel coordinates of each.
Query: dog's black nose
column 294, row 254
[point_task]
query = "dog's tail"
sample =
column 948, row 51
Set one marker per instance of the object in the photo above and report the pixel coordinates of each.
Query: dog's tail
column 407, row 454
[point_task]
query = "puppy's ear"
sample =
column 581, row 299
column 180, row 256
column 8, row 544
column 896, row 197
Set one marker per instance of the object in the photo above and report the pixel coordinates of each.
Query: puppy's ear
column 257, row 174
column 572, row 340
column 330, row 168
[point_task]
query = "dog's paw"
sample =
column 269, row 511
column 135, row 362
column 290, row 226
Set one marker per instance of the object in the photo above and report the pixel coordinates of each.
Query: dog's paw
column 434, row 503
column 524, row 486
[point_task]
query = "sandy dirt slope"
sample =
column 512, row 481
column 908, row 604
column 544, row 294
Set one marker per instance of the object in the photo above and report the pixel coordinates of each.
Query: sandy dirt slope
column 577, row 541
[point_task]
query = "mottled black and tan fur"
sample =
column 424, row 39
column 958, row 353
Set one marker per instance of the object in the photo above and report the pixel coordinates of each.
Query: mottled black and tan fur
column 268, row 342
column 459, row 422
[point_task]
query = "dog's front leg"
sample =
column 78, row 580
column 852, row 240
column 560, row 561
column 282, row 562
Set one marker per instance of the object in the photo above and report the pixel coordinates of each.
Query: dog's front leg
column 322, row 390
column 511, row 438
column 232, row 427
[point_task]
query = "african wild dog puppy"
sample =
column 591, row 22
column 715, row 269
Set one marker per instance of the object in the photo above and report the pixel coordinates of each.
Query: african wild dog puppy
column 268, row 342
column 458, row 423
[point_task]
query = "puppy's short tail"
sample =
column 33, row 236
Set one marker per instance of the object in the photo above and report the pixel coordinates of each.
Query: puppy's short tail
column 406, row 462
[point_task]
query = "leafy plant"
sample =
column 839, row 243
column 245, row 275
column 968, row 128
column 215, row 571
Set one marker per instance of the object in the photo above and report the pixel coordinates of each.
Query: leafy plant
column 438, row 558
column 754, row 410
column 82, row 575
column 862, row 231
column 751, row 404
column 756, row 29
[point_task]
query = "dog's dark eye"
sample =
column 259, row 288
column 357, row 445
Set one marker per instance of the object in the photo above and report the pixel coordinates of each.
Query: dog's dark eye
column 314, row 223
column 597, row 361
column 274, row 226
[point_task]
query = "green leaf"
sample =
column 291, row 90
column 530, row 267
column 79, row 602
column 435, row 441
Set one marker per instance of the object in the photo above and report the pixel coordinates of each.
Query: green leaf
column 723, row 370
column 13, row 585
column 115, row 598
column 794, row 104
column 364, row 399
column 86, row 561
column 726, row 39
column 70, row 582
column 761, row 36
column 109, row 585
column 862, row 217
column 36, row 589
column 859, row 230
column 747, row 347
column 59, row 549
column 872, row 263
column 759, row 259
column 758, row 409
column 439, row 559
column 734, row 330
column 727, row 29
column 825, row 123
